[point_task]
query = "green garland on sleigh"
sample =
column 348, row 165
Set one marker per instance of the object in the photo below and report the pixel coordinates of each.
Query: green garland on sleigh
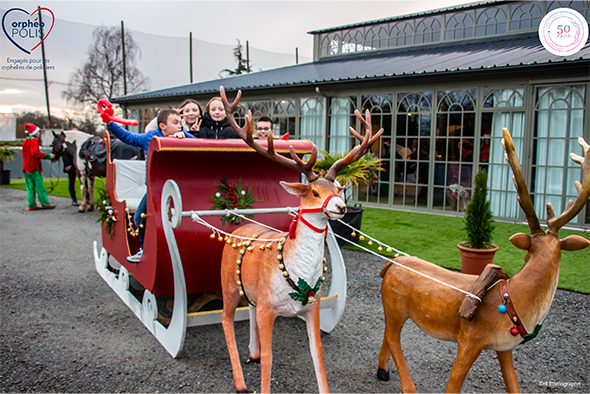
column 104, row 209
column 232, row 196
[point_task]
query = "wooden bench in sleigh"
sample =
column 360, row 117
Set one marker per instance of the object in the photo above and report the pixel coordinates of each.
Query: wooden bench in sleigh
column 180, row 257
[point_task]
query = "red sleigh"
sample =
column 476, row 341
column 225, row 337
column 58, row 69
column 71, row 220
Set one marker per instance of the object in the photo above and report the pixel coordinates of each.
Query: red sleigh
column 180, row 256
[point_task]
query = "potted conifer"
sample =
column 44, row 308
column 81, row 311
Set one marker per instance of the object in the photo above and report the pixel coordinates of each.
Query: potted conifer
column 358, row 173
column 7, row 154
column 478, row 251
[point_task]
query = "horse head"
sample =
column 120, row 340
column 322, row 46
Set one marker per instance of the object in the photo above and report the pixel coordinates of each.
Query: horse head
column 58, row 145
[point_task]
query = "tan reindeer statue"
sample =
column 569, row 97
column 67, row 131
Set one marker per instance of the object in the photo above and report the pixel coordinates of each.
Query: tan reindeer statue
column 513, row 309
column 285, row 280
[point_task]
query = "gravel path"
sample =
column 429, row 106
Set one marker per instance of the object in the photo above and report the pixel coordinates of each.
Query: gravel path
column 64, row 330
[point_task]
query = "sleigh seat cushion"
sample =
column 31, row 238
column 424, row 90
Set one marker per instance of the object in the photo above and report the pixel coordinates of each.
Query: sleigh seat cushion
column 130, row 182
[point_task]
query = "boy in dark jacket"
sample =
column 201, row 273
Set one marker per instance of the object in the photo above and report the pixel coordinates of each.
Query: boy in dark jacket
column 169, row 125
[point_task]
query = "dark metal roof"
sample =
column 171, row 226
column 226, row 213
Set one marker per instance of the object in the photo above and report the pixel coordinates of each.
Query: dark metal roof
column 465, row 56
column 396, row 18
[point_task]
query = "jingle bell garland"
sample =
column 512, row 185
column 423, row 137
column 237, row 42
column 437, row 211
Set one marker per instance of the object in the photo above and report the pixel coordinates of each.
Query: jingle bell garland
column 304, row 293
column 231, row 196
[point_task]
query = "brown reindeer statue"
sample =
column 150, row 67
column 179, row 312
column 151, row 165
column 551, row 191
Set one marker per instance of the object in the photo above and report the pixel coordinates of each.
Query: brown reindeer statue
column 513, row 309
column 286, row 280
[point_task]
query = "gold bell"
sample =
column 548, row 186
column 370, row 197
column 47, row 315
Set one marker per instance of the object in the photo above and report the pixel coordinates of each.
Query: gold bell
column 380, row 248
column 228, row 241
column 242, row 251
column 282, row 240
column 325, row 261
column 239, row 261
column 234, row 246
column 361, row 237
column 141, row 225
column 241, row 293
column 389, row 249
column 323, row 278
column 212, row 236
column 325, row 269
column 143, row 215
column 285, row 274
column 370, row 242
column 269, row 245
column 220, row 239
column 238, row 272
column 280, row 247
column 310, row 299
column 281, row 266
column 239, row 283
column 279, row 257
column 397, row 255
column 226, row 238
column 261, row 247
column 353, row 234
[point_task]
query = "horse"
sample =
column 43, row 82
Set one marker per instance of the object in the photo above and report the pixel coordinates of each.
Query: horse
column 87, row 167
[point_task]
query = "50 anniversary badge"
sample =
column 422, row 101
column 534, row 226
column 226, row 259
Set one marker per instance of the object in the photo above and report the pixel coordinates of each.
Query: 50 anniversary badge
column 563, row 31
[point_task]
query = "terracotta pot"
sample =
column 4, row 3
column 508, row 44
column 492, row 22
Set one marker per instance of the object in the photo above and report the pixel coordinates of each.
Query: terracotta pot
column 473, row 261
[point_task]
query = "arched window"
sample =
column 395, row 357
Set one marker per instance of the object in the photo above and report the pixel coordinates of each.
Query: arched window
column 330, row 44
column 559, row 121
column 501, row 108
column 454, row 149
column 400, row 34
column 379, row 106
column 525, row 16
column 410, row 150
column 490, row 21
column 376, row 38
column 311, row 124
column 427, row 30
column 459, row 26
column 283, row 116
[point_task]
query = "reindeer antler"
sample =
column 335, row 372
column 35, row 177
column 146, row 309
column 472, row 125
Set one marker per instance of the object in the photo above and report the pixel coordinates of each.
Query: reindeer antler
column 358, row 151
column 524, row 198
column 573, row 208
column 246, row 133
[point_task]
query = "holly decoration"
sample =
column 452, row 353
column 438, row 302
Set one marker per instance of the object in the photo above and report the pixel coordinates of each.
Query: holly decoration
column 305, row 292
column 232, row 196
column 104, row 209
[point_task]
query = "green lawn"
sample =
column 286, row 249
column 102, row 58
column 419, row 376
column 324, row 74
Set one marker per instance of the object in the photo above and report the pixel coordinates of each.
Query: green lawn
column 434, row 238
column 429, row 237
column 58, row 186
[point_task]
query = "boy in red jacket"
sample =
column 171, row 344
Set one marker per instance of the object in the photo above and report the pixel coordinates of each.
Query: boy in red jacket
column 32, row 169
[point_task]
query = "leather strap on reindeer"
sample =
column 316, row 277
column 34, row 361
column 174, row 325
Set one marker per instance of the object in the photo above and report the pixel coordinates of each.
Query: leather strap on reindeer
column 298, row 217
column 508, row 307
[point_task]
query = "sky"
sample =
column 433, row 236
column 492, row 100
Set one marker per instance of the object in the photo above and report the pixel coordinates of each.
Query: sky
column 273, row 28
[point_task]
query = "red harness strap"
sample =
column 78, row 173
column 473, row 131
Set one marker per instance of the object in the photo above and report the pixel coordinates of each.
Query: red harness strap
column 323, row 208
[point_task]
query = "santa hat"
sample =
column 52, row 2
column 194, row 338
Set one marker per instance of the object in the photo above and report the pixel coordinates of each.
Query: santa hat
column 31, row 129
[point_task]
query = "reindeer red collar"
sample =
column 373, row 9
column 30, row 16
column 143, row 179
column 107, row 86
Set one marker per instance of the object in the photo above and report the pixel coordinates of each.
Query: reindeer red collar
column 323, row 209
column 299, row 259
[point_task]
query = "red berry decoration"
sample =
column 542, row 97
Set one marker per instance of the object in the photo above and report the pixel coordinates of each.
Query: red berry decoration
column 514, row 331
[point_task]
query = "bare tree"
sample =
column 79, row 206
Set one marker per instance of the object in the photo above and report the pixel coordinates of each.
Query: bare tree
column 243, row 64
column 102, row 74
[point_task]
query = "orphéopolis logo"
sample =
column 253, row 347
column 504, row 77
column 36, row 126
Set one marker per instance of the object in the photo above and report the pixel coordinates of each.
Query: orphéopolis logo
column 563, row 31
column 27, row 30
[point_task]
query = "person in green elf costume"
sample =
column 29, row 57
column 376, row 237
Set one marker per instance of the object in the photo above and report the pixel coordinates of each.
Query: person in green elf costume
column 33, row 170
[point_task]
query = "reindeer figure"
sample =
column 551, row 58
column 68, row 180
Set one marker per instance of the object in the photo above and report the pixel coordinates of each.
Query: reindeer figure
column 283, row 278
column 525, row 297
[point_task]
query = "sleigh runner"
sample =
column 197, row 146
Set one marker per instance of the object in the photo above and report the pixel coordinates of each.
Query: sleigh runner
column 180, row 256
